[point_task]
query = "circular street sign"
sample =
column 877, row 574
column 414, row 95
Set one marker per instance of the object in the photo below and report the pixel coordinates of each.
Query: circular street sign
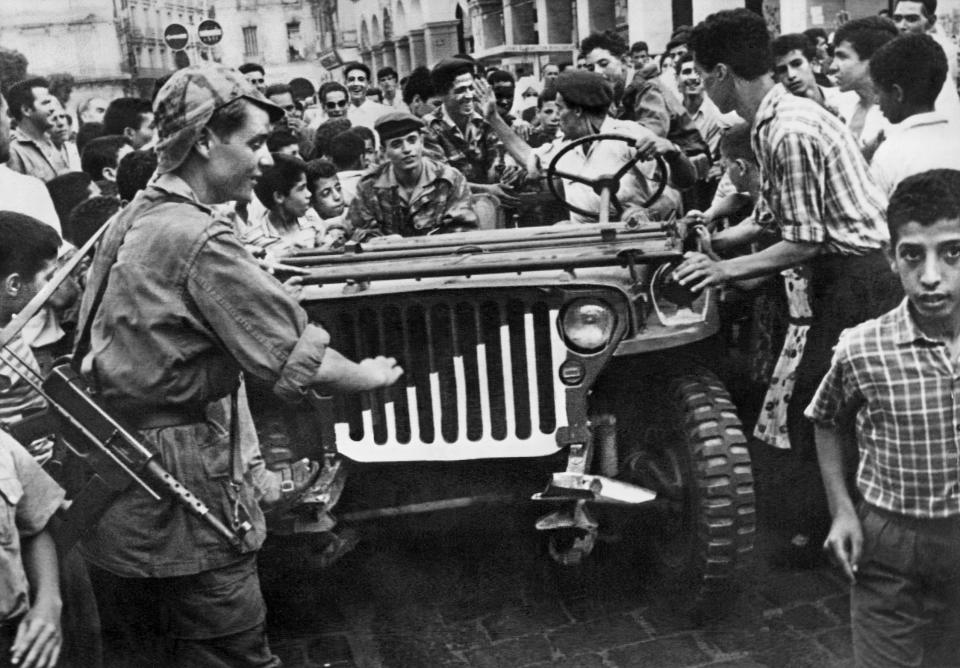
column 176, row 36
column 209, row 32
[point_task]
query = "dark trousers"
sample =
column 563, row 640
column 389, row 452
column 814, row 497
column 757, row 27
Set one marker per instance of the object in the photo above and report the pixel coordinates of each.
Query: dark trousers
column 210, row 619
column 905, row 605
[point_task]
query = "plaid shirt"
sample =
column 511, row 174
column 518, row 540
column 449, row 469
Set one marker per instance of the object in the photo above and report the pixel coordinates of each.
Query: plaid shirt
column 903, row 386
column 813, row 178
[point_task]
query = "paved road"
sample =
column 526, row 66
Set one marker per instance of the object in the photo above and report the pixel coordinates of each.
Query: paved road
column 481, row 594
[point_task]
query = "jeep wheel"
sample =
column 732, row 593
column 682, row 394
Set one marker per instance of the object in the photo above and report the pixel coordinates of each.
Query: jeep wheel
column 699, row 465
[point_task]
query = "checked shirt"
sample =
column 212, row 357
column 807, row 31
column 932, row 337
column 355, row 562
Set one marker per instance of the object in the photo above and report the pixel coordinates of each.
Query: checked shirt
column 906, row 391
column 814, row 180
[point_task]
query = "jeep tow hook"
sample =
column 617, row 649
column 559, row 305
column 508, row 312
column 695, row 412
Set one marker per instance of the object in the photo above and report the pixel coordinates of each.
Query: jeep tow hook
column 566, row 486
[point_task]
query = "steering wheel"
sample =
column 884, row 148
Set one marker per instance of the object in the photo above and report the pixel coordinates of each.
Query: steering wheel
column 600, row 184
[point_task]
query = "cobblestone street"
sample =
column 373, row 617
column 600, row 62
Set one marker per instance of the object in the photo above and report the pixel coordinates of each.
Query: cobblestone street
column 481, row 597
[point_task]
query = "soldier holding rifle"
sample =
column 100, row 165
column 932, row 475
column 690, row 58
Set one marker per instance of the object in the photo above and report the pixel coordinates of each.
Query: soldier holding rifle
column 175, row 310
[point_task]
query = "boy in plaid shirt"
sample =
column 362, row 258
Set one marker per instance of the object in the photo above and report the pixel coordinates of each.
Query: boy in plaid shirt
column 899, row 376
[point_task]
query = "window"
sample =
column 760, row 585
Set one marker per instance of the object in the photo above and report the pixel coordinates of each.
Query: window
column 250, row 47
column 294, row 42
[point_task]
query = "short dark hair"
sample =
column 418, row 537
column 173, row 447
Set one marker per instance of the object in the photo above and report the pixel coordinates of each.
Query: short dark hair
column 324, row 134
column 356, row 65
column 68, row 190
column 420, row 82
column 301, row 88
column 924, row 198
column 278, row 89
column 346, row 149
column 866, row 35
column 373, row 90
column 281, row 137
column 25, row 244
column 608, row 40
column 500, row 76
column 814, row 33
column 101, row 153
column 735, row 143
column 738, row 38
column 87, row 132
column 916, row 63
column 125, row 112
column 548, row 94
column 794, row 41
column 639, row 46
column 246, row 68
column 929, row 6
column 443, row 77
column 386, row 72
column 329, row 86
column 87, row 217
column 20, row 95
column 319, row 169
column 134, row 172
column 365, row 133
column 280, row 177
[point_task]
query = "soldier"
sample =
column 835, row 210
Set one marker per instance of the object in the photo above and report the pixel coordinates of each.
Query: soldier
column 176, row 310
column 409, row 194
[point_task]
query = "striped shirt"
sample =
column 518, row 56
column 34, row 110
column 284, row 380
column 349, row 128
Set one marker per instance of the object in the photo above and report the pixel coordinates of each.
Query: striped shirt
column 906, row 393
column 813, row 178
column 17, row 398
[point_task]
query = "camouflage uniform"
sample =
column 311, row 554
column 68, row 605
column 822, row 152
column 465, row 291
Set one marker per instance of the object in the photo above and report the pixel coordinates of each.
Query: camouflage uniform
column 472, row 153
column 380, row 208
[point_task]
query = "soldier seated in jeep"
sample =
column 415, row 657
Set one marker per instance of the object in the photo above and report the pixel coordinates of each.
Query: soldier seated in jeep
column 409, row 194
column 584, row 100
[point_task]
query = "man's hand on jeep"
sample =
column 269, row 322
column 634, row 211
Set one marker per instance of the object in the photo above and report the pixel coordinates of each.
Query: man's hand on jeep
column 513, row 176
column 504, row 193
column 377, row 372
column 698, row 271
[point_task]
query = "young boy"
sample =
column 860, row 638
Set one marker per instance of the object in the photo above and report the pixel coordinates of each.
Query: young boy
column 30, row 604
column 327, row 201
column 28, row 258
column 900, row 546
column 282, row 190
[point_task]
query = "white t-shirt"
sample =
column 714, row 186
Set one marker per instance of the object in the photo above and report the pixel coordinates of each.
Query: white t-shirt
column 916, row 144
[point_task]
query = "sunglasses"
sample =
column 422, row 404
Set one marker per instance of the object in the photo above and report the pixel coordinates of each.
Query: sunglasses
column 334, row 105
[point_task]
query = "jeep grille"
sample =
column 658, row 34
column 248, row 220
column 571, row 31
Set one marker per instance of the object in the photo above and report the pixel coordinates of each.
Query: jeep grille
column 479, row 376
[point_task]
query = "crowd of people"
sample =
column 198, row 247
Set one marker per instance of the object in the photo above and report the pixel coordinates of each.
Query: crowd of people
column 810, row 163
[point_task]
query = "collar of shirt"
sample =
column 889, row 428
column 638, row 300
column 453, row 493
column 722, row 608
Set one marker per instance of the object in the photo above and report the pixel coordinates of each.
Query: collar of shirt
column 768, row 105
column 430, row 173
column 174, row 185
column 476, row 120
column 926, row 118
column 907, row 330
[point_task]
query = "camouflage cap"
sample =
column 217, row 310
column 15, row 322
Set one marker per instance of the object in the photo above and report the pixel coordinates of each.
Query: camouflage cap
column 188, row 100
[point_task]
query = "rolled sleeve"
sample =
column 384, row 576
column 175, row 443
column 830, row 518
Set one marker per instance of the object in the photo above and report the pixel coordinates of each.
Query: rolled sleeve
column 253, row 316
column 834, row 393
column 41, row 496
column 301, row 367
column 800, row 189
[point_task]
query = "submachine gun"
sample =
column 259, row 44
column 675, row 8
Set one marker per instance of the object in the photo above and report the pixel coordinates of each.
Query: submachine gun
column 116, row 456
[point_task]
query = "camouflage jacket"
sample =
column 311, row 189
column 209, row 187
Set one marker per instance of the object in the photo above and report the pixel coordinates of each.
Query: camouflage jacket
column 472, row 153
column 380, row 209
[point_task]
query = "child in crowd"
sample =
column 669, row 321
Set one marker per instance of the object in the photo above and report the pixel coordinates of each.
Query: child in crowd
column 547, row 128
column 28, row 258
column 326, row 199
column 282, row 224
column 896, row 374
column 349, row 156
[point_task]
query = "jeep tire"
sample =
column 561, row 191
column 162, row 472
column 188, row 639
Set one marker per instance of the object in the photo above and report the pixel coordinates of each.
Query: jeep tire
column 705, row 522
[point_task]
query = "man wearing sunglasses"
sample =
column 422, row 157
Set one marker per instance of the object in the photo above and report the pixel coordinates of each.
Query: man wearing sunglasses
column 334, row 99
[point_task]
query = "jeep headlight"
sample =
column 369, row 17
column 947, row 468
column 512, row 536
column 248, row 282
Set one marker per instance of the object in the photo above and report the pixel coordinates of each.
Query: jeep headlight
column 588, row 324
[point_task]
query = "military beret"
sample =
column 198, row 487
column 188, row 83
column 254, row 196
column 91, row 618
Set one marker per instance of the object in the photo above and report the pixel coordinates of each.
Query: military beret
column 186, row 103
column 396, row 124
column 584, row 89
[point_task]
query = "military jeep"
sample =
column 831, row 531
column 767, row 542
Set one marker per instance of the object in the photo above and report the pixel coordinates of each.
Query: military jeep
column 559, row 365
